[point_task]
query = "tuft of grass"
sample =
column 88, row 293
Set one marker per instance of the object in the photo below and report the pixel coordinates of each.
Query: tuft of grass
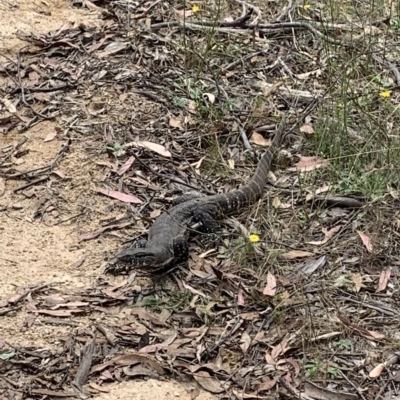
column 357, row 125
column 173, row 300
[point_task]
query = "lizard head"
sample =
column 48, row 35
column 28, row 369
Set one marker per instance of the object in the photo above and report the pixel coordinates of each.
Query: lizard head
column 147, row 257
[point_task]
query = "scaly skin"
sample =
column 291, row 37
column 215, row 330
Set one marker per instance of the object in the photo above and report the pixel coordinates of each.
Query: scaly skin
column 168, row 236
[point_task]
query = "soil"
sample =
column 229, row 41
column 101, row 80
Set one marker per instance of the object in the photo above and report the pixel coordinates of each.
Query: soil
column 35, row 251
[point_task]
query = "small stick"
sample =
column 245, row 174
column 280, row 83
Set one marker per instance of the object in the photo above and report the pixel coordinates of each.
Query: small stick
column 42, row 179
column 23, row 173
column 246, row 142
column 173, row 179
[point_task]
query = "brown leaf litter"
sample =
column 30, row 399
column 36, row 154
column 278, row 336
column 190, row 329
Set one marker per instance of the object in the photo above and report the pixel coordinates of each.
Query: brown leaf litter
column 249, row 321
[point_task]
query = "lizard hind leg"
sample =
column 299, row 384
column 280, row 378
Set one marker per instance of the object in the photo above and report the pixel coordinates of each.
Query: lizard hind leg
column 208, row 227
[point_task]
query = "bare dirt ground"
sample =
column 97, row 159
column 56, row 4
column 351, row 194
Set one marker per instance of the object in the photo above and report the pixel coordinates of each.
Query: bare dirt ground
column 109, row 110
column 37, row 251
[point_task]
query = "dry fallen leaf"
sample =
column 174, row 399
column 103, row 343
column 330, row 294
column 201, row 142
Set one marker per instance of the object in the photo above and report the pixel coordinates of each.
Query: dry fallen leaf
column 307, row 129
column 176, row 123
column 155, row 213
column 209, row 383
column 323, row 189
column 290, row 255
column 256, row 138
column 9, row 105
column 128, row 163
column 281, row 348
column 42, row 96
column 157, row 148
column 112, row 48
column 312, row 265
column 91, row 6
column 270, row 288
column 245, row 342
column 183, row 13
column 126, row 198
column 267, row 384
column 108, row 164
column 276, row 203
column 366, row 240
column 317, row 392
column 357, row 279
column 240, row 297
column 384, row 279
column 192, row 106
column 370, row 335
column 375, row 372
column 309, row 164
column 50, row 136
column 269, row 359
column 328, row 235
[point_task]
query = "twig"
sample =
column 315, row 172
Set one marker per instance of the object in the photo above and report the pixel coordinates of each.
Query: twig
column 265, row 128
column 238, row 22
column 68, row 219
column 381, row 391
column 57, row 321
column 240, row 60
column 13, row 149
column 292, row 390
column 354, row 386
column 44, row 89
column 39, row 180
column 173, row 179
column 23, row 173
column 299, row 25
column 64, row 148
column 265, row 28
column 285, row 11
column 256, row 9
column 33, row 290
column 223, row 339
column 386, row 311
column 243, row 135
column 38, row 114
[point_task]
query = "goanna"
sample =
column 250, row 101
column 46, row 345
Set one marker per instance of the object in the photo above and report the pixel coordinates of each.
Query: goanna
column 167, row 240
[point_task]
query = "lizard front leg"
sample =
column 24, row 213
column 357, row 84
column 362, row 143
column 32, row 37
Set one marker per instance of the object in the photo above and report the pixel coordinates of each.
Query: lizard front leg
column 140, row 244
column 180, row 247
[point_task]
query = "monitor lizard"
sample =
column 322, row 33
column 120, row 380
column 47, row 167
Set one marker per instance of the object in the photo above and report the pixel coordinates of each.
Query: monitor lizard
column 167, row 240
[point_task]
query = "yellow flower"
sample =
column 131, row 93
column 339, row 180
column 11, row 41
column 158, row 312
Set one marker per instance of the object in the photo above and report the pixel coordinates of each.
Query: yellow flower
column 307, row 6
column 254, row 238
column 385, row 94
column 195, row 8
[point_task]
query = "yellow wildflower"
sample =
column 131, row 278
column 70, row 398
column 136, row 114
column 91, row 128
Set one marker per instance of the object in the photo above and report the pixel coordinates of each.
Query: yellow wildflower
column 254, row 238
column 385, row 94
column 195, row 8
column 307, row 6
